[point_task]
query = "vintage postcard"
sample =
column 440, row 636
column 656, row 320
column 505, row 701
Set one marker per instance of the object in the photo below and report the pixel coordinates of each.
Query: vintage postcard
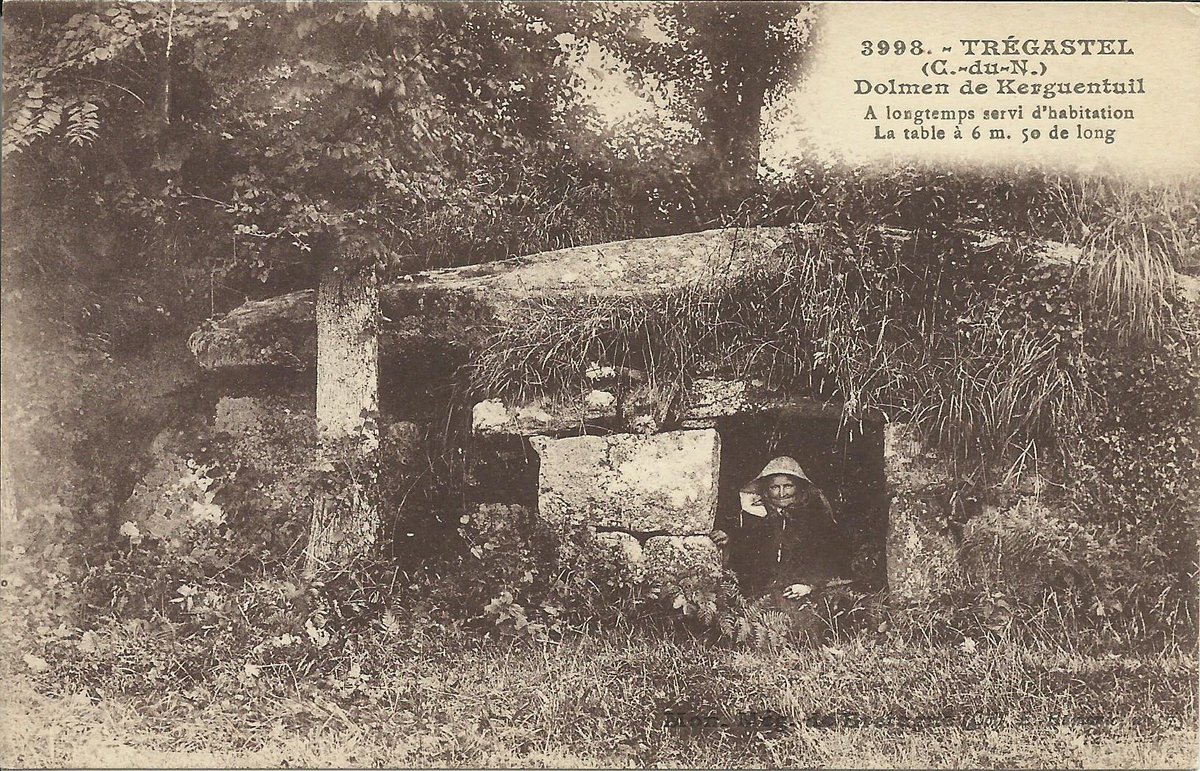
column 600, row 384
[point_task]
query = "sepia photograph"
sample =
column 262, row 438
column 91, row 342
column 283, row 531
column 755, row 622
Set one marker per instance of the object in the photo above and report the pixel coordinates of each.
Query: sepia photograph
column 597, row 384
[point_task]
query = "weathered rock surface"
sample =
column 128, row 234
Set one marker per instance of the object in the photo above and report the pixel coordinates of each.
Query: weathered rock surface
column 661, row 482
column 624, row 547
column 708, row 400
column 281, row 332
column 673, row 561
column 1188, row 288
column 490, row 416
column 921, row 551
column 241, row 415
column 690, row 563
column 908, row 464
column 711, row 397
column 921, row 548
column 449, row 304
column 267, row 423
column 542, row 415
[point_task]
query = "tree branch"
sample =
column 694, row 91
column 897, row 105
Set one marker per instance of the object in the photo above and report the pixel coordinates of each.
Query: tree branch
column 114, row 85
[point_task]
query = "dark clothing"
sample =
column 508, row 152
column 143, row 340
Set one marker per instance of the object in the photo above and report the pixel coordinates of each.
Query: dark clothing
column 773, row 552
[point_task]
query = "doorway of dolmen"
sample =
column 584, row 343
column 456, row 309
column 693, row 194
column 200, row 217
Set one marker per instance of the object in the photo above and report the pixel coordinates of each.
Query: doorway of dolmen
column 845, row 461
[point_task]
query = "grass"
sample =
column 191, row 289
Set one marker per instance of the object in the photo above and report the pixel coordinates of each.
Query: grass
column 1136, row 237
column 1129, row 280
column 915, row 327
column 993, row 353
column 998, row 393
column 598, row 701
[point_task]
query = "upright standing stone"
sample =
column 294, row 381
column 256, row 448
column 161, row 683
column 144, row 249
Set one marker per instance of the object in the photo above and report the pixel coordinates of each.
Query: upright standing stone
column 921, row 551
column 345, row 527
column 347, row 349
column 656, row 483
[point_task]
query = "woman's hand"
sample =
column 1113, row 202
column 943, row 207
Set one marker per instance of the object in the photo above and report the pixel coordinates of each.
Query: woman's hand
column 719, row 537
column 797, row 591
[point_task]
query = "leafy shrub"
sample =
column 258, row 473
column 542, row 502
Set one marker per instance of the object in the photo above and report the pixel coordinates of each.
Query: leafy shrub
column 238, row 491
column 39, row 593
column 1027, row 550
column 74, row 440
column 533, row 577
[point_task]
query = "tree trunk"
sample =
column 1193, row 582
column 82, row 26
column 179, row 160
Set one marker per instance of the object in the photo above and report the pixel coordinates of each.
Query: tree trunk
column 746, row 143
column 734, row 114
column 345, row 520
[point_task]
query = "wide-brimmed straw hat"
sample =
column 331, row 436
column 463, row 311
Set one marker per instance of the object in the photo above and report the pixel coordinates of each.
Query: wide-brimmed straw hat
column 751, row 496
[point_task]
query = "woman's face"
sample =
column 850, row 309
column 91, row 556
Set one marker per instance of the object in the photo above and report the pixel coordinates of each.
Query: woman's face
column 780, row 490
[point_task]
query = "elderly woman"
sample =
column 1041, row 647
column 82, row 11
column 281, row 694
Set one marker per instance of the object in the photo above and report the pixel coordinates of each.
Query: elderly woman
column 784, row 542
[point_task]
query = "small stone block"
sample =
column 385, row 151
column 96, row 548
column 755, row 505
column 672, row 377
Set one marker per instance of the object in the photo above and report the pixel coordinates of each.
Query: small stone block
column 660, row 482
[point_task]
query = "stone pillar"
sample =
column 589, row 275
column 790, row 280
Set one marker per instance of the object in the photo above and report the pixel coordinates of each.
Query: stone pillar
column 345, row 525
column 921, row 549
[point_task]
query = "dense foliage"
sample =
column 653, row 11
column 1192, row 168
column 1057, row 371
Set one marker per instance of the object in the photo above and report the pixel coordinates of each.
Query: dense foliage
column 715, row 67
column 288, row 130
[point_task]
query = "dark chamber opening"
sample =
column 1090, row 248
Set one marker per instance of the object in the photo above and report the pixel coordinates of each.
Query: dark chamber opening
column 845, row 462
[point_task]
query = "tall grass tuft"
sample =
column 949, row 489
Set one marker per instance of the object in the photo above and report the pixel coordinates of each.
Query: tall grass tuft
column 1135, row 238
column 1130, row 279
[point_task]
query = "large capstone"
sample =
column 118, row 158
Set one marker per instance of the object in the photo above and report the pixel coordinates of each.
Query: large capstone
column 462, row 306
column 656, row 483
